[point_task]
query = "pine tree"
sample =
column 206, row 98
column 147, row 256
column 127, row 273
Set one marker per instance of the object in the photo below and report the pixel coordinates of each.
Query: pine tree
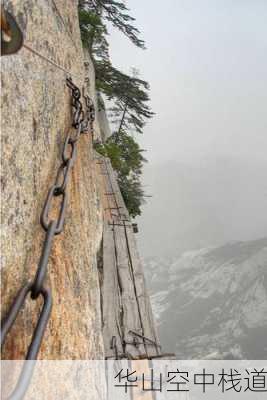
column 115, row 12
column 127, row 159
column 129, row 95
column 93, row 34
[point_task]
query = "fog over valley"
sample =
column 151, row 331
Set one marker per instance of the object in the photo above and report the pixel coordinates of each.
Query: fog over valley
column 202, row 203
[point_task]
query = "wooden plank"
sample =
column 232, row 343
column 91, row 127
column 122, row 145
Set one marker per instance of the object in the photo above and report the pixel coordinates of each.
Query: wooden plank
column 124, row 280
column 108, row 201
column 131, row 316
column 111, row 302
column 116, row 189
column 107, row 179
column 113, row 187
column 141, row 367
column 116, row 212
column 100, row 164
column 148, row 324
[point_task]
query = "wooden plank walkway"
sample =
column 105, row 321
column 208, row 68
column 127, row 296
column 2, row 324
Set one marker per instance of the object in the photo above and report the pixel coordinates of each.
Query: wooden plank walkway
column 128, row 326
column 111, row 298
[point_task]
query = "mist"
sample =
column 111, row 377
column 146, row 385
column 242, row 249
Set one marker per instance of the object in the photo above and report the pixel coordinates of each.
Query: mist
column 206, row 63
column 201, row 204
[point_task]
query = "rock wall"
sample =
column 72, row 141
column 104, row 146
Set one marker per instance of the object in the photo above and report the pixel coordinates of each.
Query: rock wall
column 36, row 116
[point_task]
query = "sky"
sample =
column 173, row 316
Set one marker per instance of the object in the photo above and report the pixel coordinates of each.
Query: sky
column 206, row 62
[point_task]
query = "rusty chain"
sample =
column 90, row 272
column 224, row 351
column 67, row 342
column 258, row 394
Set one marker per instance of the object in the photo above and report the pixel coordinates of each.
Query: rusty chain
column 90, row 113
column 52, row 228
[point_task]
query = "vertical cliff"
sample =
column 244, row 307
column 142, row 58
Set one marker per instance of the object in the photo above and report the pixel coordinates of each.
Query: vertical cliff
column 36, row 117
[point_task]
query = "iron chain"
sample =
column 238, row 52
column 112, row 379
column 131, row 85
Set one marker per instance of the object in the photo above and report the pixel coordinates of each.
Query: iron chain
column 52, row 228
column 90, row 111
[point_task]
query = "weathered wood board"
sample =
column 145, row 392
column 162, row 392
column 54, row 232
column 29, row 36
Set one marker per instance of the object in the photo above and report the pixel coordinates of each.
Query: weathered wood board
column 111, row 297
column 123, row 212
column 148, row 324
column 123, row 268
column 131, row 316
column 141, row 367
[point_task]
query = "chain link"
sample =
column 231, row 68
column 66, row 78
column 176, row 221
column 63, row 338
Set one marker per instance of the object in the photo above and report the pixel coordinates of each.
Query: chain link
column 90, row 111
column 52, row 228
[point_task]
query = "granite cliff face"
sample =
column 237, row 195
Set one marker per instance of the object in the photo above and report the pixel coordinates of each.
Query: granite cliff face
column 36, row 116
column 212, row 303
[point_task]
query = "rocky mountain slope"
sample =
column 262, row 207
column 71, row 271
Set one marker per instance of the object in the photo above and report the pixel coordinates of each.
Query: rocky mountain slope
column 212, row 303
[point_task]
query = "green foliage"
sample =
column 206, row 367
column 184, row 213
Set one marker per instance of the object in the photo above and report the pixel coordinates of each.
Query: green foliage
column 127, row 159
column 133, row 194
column 128, row 94
column 112, row 151
column 93, row 34
column 115, row 12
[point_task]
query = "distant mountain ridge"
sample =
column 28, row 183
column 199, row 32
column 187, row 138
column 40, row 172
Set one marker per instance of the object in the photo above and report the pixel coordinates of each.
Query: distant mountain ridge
column 212, row 303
